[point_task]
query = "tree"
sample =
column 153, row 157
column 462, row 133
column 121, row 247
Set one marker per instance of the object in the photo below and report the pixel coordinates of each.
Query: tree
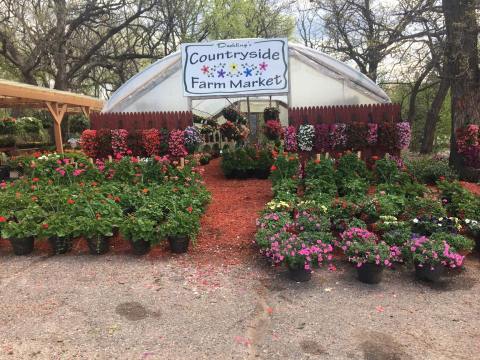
column 364, row 31
column 462, row 67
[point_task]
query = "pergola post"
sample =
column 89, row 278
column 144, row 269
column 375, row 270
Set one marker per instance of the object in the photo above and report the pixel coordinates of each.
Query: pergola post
column 57, row 111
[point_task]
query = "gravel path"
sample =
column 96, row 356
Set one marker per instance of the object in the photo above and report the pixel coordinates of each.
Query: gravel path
column 120, row 307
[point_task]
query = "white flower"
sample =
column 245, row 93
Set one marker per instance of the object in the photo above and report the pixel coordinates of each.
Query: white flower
column 415, row 220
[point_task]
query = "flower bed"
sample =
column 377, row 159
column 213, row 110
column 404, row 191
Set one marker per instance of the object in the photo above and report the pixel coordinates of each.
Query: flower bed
column 374, row 229
column 64, row 197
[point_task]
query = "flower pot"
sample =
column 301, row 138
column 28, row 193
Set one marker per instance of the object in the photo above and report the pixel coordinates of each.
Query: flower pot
column 4, row 172
column 299, row 274
column 60, row 245
column 179, row 244
column 425, row 272
column 22, row 246
column 370, row 273
column 140, row 247
column 98, row 245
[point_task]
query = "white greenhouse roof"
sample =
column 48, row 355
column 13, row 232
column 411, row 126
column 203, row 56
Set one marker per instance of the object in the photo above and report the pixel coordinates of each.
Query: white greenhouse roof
column 309, row 70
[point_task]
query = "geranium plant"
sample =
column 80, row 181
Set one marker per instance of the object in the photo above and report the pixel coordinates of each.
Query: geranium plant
column 89, row 144
column 151, row 141
column 273, row 129
column 119, row 142
column 176, row 144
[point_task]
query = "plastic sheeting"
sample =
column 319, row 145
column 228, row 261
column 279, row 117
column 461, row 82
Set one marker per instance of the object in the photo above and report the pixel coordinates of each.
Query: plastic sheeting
column 316, row 79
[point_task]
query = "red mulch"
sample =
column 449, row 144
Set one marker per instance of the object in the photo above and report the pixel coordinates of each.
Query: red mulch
column 227, row 228
column 472, row 187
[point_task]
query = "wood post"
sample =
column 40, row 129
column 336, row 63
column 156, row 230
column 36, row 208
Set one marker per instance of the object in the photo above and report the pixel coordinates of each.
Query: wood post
column 57, row 111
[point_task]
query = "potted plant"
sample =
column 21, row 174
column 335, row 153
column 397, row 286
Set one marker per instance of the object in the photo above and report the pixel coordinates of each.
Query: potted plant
column 21, row 234
column 431, row 256
column 140, row 232
column 180, row 228
column 97, row 231
column 368, row 254
column 271, row 113
column 205, row 159
column 458, row 243
column 60, row 229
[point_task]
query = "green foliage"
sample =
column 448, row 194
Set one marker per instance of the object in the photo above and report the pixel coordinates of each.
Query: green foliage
column 457, row 242
column 386, row 171
column 418, row 206
column 429, row 169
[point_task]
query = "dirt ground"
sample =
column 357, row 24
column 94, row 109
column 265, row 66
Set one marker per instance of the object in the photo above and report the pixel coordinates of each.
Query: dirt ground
column 123, row 307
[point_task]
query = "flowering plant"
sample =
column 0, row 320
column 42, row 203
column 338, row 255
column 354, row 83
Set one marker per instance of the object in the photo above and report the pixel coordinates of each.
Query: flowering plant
column 357, row 134
column 355, row 234
column 378, row 253
column 89, row 144
column 322, row 137
column 468, row 144
column 387, row 136
column 192, row 138
column 273, row 129
column 119, row 142
column 7, row 126
column 338, row 136
column 404, row 135
column 229, row 130
column 433, row 252
column 151, row 139
column 305, row 137
column 372, row 135
column 270, row 113
column 176, row 144
column 291, row 139
column 104, row 143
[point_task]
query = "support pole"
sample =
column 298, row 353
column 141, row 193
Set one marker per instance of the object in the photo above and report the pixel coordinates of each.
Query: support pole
column 57, row 112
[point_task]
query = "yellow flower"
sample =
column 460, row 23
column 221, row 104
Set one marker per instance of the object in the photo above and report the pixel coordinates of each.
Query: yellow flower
column 233, row 67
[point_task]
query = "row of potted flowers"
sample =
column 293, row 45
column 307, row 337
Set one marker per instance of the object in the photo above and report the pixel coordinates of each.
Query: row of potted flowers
column 62, row 198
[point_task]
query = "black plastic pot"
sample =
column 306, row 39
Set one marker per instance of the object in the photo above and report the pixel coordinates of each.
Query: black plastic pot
column 60, row 245
column 370, row 273
column 425, row 272
column 179, row 244
column 22, row 246
column 98, row 245
column 4, row 172
column 299, row 274
column 140, row 247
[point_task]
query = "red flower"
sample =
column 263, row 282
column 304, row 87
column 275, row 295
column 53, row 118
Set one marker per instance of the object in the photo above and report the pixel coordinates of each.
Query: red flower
column 442, row 178
column 189, row 209
column 35, row 179
column 37, row 154
column 3, row 219
column 273, row 168
column 45, row 226
column 71, row 201
column 145, row 191
column 116, row 199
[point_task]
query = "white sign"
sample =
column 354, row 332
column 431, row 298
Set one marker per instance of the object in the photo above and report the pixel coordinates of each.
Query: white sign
column 235, row 67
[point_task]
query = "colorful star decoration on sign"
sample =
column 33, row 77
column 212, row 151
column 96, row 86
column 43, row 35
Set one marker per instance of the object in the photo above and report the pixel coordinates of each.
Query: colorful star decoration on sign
column 205, row 69
column 247, row 72
column 221, row 73
column 263, row 66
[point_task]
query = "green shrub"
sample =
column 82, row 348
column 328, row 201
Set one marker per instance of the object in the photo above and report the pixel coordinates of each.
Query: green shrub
column 386, row 171
column 429, row 169
column 417, row 207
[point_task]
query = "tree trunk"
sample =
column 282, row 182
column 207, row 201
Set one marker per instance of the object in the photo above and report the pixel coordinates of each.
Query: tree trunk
column 60, row 51
column 412, row 104
column 432, row 117
column 462, row 67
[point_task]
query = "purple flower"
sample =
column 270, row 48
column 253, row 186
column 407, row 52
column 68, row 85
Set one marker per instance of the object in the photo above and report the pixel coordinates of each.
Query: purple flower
column 404, row 135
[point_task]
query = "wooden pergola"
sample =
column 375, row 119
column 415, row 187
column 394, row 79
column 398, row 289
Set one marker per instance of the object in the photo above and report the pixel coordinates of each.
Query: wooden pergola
column 18, row 95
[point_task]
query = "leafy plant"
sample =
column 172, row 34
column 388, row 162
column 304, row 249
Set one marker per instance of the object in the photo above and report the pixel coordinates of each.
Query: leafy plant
column 458, row 243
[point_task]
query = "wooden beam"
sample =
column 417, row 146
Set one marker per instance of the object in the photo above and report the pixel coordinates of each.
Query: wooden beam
column 86, row 111
column 24, row 91
column 57, row 111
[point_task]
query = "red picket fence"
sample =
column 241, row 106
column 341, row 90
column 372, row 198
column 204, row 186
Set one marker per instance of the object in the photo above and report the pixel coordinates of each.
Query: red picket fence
column 376, row 113
column 133, row 121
